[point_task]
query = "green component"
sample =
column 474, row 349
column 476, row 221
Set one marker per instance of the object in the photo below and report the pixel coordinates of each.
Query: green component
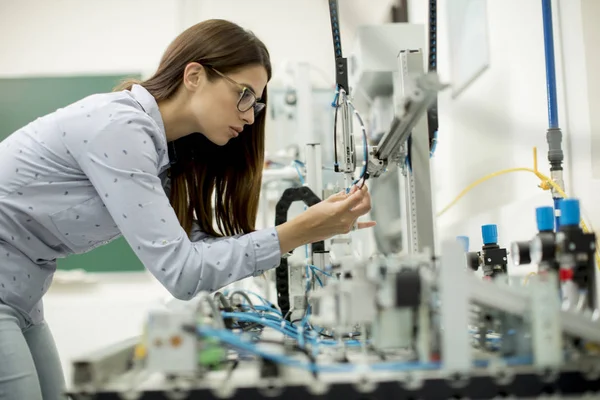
column 22, row 100
column 211, row 355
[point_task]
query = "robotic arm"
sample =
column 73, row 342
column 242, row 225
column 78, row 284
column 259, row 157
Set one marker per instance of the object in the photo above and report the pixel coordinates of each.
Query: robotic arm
column 376, row 158
column 412, row 109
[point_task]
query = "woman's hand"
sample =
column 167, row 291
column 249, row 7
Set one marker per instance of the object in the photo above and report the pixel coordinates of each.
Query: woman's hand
column 338, row 214
column 332, row 216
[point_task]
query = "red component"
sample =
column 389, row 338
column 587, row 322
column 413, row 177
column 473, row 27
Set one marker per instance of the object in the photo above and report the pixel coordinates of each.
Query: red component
column 487, row 278
column 565, row 274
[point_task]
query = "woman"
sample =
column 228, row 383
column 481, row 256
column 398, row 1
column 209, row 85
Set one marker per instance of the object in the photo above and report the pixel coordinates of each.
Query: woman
column 131, row 163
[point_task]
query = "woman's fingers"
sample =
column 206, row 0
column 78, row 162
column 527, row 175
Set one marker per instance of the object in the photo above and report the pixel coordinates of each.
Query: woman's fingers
column 368, row 224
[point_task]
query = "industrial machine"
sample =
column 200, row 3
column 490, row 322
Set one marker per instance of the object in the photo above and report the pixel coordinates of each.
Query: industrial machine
column 424, row 322
column 400, row 327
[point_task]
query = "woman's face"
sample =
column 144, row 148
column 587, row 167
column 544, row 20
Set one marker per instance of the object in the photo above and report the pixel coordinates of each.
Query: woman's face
column 222, row 107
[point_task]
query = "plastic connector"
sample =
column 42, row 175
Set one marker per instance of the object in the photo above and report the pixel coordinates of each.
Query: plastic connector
column 555, row 152
column 489, row 234
column 569, row 212
column 464, row 240
column 545, row 218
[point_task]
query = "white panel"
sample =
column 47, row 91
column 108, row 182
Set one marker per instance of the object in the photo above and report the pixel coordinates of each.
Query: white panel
column 454, row 301
column 545, row 322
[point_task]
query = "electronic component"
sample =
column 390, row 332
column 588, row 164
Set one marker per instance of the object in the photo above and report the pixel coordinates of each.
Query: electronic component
column 573, row 251
column 170, row 348
column 520, row 251
column 399, row 314
column 492, row 259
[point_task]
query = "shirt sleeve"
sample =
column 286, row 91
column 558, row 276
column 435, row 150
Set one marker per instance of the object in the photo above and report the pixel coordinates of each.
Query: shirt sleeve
column 122, row 162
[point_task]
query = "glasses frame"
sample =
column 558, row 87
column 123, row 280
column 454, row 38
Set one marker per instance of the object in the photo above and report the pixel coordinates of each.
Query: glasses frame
column 258, row 106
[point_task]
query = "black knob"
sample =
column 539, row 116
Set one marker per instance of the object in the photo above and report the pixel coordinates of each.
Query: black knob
column 473, row 260
column 520, row 253
column 543, row 248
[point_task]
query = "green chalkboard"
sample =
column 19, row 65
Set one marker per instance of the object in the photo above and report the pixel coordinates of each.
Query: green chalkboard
column 22, row 100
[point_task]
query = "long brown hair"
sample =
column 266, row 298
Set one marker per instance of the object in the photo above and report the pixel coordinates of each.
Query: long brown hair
column 232, row 173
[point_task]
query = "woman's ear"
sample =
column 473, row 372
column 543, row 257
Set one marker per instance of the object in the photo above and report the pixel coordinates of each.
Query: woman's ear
column 194, row 76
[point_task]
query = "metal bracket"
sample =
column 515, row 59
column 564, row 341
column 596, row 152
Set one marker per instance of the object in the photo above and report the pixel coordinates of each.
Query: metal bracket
column 99, row 367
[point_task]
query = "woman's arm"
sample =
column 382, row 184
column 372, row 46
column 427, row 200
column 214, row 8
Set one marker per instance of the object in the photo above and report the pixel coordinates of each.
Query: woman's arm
column 122, row 163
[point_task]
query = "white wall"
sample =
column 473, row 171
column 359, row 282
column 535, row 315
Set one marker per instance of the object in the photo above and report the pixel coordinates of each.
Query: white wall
column 591, row 38
column 77, row 37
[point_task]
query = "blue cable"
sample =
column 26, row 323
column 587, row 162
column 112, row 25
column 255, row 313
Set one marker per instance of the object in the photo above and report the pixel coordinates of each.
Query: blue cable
column 304, row 321
column 550, row 64
column 319, row 281
column 288, row 329
column 265, row 301
column 266, row 320
column 264, row 308
column 335, row 98
column 550, row 81
column 433, row 144
column 234, row 340
column 273, row 318
column 299, row 173
column 334, row 104
column 321, row 271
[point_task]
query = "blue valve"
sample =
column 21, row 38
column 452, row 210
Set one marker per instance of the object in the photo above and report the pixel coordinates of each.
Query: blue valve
column 464, row 240
column 569, row 212
column 545, row 218
column 489, row 233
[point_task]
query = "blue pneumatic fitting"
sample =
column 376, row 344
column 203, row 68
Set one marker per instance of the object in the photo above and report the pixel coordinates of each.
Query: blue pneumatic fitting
column 545, row 218
column 489, row 233
column 464, row 240
column 569, row 212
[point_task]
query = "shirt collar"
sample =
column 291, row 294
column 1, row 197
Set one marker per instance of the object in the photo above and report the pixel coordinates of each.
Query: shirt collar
column 150, row 106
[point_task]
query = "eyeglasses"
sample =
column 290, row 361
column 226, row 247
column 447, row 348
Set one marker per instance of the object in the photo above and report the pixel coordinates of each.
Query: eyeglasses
column 247, row 98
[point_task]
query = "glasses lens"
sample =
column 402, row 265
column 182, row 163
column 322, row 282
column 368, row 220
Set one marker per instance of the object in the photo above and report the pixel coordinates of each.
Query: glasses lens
column 246, row 101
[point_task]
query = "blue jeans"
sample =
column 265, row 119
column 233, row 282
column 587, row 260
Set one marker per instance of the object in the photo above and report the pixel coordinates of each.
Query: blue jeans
column 30, row 368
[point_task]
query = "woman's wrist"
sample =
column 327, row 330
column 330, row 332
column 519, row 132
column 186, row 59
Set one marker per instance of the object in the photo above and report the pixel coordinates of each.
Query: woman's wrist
column 295, row 233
